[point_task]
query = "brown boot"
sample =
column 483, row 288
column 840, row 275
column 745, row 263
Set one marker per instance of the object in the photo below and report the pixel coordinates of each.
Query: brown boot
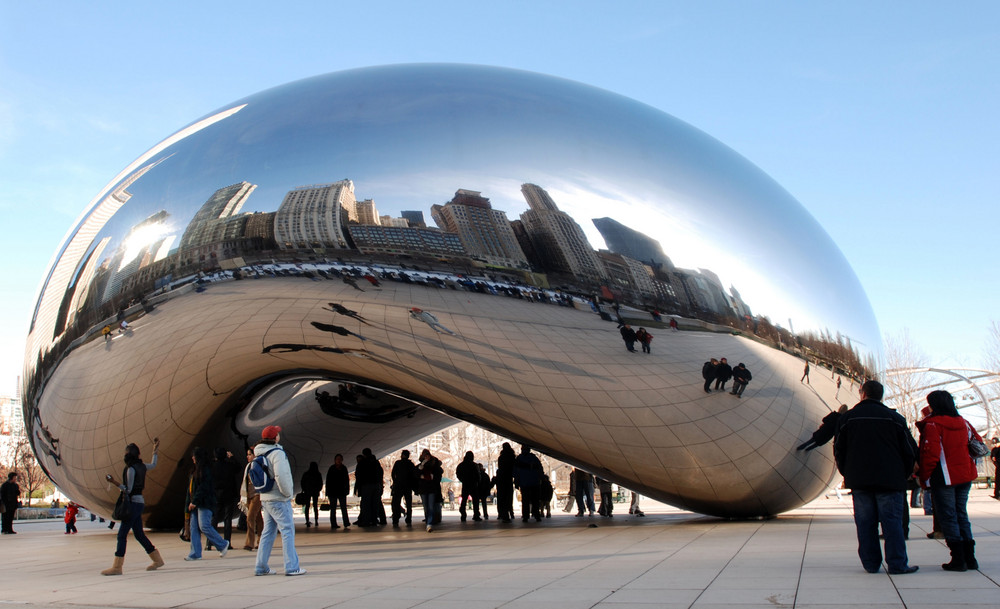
column 157, row 560
column 116, row 568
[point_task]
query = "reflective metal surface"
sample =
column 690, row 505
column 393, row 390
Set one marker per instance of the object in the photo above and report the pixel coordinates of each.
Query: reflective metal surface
column 237, row 250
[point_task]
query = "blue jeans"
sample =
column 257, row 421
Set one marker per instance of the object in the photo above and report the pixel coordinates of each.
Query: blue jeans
column 870, row 510
column 201, row 522
column 950, row 509
column 277, row 518
column 134, row 524
column 430, row 513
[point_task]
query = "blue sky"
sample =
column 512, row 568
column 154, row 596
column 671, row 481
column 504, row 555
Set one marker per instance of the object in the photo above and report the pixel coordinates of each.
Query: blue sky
column 881, row 120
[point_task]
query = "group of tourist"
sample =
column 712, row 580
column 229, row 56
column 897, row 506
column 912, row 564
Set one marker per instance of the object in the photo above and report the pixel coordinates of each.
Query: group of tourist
column 877, row 455
column 719, row 371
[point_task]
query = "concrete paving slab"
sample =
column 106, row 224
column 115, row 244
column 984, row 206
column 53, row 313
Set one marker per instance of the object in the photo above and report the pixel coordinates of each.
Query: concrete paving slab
column 806, row 559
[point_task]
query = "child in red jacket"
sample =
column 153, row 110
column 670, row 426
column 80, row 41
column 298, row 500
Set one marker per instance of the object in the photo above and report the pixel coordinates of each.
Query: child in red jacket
column 70, row 517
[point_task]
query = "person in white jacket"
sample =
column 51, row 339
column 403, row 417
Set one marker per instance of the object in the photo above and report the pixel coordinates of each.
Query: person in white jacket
column 276, row 506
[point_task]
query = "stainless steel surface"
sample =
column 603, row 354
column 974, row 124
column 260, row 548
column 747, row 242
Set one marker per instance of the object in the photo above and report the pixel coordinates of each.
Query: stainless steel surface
column 229, row 249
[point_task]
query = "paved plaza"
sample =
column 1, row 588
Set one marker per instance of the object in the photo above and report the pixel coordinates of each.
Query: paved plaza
column 807, row 558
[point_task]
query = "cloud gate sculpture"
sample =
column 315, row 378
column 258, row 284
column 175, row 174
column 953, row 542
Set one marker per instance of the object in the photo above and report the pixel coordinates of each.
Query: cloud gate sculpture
column 366, row 256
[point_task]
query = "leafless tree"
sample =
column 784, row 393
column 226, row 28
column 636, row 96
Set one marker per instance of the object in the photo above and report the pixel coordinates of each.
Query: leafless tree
column 904, row 388
column 30, row 474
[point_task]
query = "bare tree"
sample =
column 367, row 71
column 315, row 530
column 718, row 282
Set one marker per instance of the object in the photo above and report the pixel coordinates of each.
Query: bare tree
column 904, row 386
column 992, row 353
column 29, row 472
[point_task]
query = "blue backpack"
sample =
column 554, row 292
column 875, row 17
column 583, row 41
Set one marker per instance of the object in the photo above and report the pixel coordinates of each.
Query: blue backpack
column 260, row 473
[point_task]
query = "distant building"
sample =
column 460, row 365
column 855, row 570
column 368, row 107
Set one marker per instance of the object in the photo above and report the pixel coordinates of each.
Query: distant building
column 623, row 240
column 414, row 218
column 485, row 232
column 208, row 223
column 315, row 217
column 398, row 222
column 367, row 214
column 403, row 240
column 11, row 428
column 559, row 242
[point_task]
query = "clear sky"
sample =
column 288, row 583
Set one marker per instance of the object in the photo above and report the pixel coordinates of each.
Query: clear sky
column 880, row 118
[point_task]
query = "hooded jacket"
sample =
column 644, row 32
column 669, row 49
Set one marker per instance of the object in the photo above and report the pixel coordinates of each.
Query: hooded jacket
column 944, row 451
column 284, row 486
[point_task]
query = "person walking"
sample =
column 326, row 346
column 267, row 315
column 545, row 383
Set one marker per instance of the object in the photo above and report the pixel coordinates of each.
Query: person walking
column 629, row 336
column 805, row 374
column 132, row 484
column 225, row 475
column 250, row 503
column 607, row 498
column 947, row 469
column 276, row 505
column 312, row 484
column 338, row 485
column 584, row 487
column 644, row 338
column 402, row 477
column 10, row 501
column 429, row 474
column 202, row 502
column 484, row 489
column 876, row 454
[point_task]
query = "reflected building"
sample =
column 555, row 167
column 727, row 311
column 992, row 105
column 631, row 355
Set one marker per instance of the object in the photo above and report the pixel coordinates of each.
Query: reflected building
column 209, row 223
column 367, row 214
column 623, row 240
column 485, row 232
column 414, row 218
column 559, row 243
column 315, row 217
column 406, row 241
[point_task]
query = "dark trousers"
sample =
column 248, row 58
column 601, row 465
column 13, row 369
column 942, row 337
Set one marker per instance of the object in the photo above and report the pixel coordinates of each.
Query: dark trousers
column 397, row 506
column 870, row 510
column 342, row 500
column 467, row 491
column 134, row 524
column 505, row 499
column 314, row 500
column 8, row 520
column 530, row 502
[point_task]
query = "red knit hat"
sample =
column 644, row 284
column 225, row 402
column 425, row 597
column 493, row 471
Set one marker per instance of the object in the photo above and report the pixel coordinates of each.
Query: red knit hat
column 270, row 432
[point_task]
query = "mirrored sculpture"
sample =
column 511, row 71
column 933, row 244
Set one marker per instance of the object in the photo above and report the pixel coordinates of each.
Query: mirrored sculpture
column 366, row 256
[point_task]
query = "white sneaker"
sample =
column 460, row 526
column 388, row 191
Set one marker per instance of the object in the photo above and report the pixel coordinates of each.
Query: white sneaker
column 268, row 572
column 299, row 571
column 225, row 550
column 429, row 528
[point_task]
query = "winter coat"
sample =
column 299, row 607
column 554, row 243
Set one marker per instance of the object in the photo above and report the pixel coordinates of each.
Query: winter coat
column 429, row 475
column 338, row 481
column 723, row 372
column 874, row 448
column 827, row 430
column 708, row 371
column 944, row 451
column 284, row 484
column 312, row 482
column 203, row 490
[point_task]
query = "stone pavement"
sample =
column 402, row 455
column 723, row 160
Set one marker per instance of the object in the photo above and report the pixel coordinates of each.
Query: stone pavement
column 807, row 558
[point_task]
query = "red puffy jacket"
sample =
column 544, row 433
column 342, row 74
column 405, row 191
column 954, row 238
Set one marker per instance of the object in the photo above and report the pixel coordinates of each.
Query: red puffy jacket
column 944, row 442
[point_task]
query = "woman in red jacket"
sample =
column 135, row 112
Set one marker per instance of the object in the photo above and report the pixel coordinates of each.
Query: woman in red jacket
column 948, row 471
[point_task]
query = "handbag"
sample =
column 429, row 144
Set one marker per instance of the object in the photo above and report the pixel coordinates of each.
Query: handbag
column 977, row 448
column 123, row 507
column 301, row 499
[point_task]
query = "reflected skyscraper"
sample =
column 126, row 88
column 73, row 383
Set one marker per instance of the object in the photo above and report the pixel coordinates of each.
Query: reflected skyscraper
column 315, row 217
column 559, row 242
column 207, row 226
column 621, row 239
column 485, row 232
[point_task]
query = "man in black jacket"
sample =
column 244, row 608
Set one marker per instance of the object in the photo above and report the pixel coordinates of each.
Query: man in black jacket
column 876, row 453
column 403, row 475
column 468, row 474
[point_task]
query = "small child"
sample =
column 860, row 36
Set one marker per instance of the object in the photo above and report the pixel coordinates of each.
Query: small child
column 70, row 517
